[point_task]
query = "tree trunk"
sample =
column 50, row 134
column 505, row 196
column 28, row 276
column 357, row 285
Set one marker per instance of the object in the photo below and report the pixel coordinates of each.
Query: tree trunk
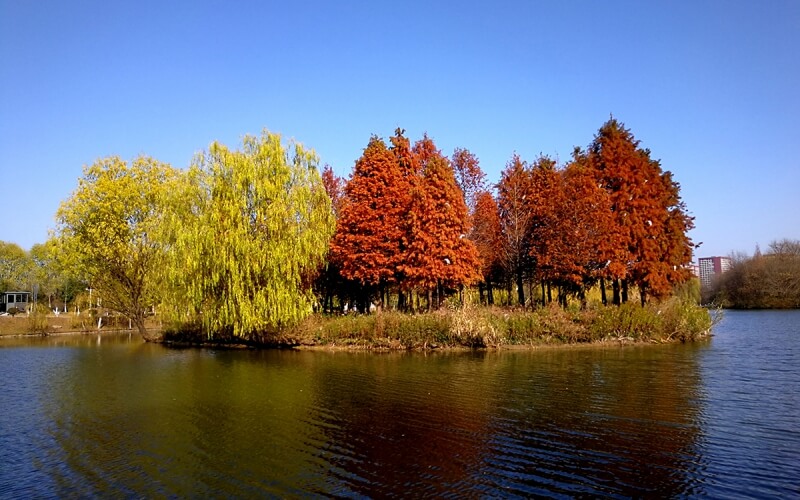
column 480, row 294
column 624, row 291
column 643, row 295
column 549, row 293
column 615, row 291
column 138, row 321
column 520, row 289
column 544, row 297
column 530, row 294
column 603, row 297
column 489, row 294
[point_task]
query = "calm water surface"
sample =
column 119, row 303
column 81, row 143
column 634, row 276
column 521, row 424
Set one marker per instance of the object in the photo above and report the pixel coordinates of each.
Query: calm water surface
column 87, row 416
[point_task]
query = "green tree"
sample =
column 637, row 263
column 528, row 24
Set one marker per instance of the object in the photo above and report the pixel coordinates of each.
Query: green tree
column 14, row 265
column 105, row 232
column 248, row 229
column 44, row 270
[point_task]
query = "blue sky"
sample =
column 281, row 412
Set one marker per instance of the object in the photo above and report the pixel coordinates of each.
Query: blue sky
column 712, row 88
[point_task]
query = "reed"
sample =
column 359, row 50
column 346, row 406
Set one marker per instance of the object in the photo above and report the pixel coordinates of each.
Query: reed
column 673, row 320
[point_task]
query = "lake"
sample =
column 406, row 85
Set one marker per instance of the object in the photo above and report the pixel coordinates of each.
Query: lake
column 89, row 415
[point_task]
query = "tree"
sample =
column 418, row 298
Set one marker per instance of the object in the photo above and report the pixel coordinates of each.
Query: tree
column 439, row 254
column 763, row 281
column 370, row 233
column 515, row 220
column 330, row 282
column 488, row 237
column 248, row 230
column 544, row 200
column 45, row 271
column 334, row 186
column 106, row 227
column 469, row 176
column 14, row 264
column 571, row 239
column 650, row 223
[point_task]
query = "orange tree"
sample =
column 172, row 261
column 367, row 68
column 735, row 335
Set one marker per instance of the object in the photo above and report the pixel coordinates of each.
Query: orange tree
column 403, row 223
column 369, row 232
column 516, row 218
column 488, row 238
column 649, row 223
column 439, row 254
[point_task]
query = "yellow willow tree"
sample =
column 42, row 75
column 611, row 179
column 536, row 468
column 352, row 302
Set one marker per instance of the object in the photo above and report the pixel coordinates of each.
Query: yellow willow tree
column 106, row 229
column 246, row 233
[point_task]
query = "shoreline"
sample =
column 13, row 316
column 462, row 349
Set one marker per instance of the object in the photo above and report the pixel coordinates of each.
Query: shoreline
column 469, row 328
column 386, row 346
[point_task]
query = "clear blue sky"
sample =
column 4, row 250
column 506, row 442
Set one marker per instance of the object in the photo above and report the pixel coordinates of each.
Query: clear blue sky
column 712, row 88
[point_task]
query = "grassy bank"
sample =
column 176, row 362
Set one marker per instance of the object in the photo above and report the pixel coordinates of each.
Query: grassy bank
column 46, row 324
column 470, row 327
column 483, row 327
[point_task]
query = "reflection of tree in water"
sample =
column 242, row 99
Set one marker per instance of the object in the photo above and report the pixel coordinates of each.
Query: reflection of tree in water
column 410, row 423
column 180, row 423
column 601, row 422
column 592, row 421
column 146, row 421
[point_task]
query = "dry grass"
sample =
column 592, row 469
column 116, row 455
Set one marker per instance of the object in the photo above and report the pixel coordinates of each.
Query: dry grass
column 482, row 327
column 28, row 324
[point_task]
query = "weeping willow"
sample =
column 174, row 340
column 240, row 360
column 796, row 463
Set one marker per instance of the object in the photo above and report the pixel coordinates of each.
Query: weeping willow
column 247, row 230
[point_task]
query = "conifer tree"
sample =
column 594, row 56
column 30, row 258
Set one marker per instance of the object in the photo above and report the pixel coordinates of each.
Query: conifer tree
column 439, row 254
column 649, row 223
column 488, row 238
column 516, row 219
column 370, row 231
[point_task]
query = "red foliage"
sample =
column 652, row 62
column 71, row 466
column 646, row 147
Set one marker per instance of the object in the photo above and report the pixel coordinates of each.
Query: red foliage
column 369, row 231
column 487, row 235
column 404, row 220
column 649, row 222
column 334, row 186
column 469, row 176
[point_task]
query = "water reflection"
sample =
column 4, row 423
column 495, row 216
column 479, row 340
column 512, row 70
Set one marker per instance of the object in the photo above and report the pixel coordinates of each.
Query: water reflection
column 568, row 421
column 127, row 418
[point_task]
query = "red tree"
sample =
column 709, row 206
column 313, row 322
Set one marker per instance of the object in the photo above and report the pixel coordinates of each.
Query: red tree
column 469, row 176
column 649, row 222
column 369, row 232
column 488, row 238
column 515, row 219
column 439, row 254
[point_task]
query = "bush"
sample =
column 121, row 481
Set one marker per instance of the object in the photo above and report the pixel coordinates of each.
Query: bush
column 486, row 327
column 37, row 319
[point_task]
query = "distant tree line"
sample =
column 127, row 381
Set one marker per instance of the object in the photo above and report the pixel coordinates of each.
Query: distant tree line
column 247, row 242
column 764, row 281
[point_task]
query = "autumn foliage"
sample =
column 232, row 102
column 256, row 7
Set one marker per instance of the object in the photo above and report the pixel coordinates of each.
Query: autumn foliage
column 403, row 223
column 413, row 222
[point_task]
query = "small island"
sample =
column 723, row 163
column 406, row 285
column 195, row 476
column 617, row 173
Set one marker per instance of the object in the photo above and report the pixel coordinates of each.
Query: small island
column 260, row 247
